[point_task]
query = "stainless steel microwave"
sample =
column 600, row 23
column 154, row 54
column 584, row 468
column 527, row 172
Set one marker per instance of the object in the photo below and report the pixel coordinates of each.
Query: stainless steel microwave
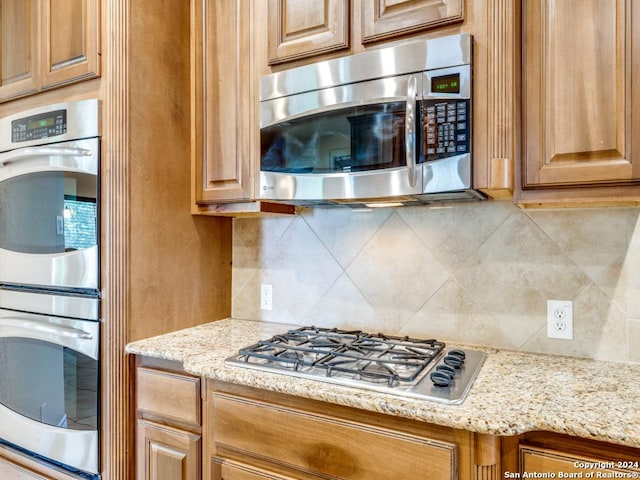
column 392, row 124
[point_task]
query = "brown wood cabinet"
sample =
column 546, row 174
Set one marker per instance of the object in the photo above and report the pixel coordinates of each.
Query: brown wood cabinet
column 302, row 29
column 255, row 434
column 226, row 47
column 222, row 93
column 548, row 453
column 168, row 430
column 47, row 44
column 306, row 29
column 535, row 460
column 383, row 20
column 230, row 52
column 580, row 118
column 16, row 466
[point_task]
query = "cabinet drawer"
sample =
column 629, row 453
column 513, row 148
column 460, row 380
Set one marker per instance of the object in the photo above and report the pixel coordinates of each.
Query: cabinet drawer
column 171, row 396
column 536, row 460
column 248, row 430
column 226, row 470
column 14, row 472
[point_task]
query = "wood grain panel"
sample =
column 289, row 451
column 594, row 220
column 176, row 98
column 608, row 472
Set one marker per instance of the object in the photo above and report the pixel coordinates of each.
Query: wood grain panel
column 382, row 19
column 117, row 409
column 222, row 469
column 169, row 395
column 302, row 29
column 20, row 47
column 170, row 454
column 70, row 41
column 222, row 94
column 19, row 466
column 540, row 460
column 15, row 472
column 578, row 107
column 317, row 444
column 501, row 105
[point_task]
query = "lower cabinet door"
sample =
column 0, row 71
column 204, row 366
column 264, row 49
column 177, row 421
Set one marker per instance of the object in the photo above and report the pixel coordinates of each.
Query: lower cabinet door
column 165, row 453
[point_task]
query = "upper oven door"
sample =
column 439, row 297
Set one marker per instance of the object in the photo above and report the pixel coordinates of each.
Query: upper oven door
column 348, row 142
column 49, row 215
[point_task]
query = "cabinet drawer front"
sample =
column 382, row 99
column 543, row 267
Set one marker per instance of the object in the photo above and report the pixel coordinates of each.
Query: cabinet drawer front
column 541, row 460
column 225, row 470
column 14, row 472
column 316, row 444
column 169, row 395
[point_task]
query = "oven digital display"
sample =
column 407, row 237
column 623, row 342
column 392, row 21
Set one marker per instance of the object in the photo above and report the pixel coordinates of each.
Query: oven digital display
column 44, row 122
column 35, row 127
column 446, row 83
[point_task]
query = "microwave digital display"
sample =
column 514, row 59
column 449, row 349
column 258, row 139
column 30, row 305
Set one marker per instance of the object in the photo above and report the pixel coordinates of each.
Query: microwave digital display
column 446, row 84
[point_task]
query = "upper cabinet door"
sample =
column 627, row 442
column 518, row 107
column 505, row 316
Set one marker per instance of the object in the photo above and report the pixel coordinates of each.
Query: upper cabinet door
column 19, row 27
column 299, row 29
column 382, row 19
column 580, row 78
column 70, row 41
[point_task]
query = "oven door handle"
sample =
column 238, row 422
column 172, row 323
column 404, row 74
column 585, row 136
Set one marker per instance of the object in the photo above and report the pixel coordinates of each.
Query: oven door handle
column 32, row 152
column 410, row 130
column 38, row 329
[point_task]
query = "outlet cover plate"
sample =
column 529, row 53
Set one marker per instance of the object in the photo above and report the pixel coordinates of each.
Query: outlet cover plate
column 560, row 319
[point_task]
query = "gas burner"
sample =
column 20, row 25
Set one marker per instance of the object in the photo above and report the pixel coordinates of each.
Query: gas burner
column 419, row 368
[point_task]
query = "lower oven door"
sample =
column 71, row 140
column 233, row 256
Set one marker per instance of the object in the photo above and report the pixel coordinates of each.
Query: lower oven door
column 49, row 379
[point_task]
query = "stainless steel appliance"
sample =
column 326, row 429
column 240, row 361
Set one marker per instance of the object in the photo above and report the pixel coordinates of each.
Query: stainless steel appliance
column 50, row 285
column 388, row 124
column 410, row 367
column 49, row 376
column 49, row 226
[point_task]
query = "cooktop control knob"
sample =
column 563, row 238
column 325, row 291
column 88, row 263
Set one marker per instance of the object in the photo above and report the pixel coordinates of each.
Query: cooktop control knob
column 445, row 373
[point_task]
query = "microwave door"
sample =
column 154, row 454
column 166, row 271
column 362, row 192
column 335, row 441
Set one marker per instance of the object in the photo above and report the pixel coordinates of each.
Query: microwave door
column 49, row 215
column 344, row 143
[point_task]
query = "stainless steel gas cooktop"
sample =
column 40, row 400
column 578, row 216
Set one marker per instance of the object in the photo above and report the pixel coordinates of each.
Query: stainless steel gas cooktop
column 410, row 367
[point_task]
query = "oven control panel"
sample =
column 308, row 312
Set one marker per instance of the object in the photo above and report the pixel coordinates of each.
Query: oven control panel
column 445, row 128
column 42, row 125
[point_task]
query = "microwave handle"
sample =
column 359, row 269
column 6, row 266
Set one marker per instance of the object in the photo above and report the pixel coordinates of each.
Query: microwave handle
column 410, row 130
column 31, row 152
column 39, row 329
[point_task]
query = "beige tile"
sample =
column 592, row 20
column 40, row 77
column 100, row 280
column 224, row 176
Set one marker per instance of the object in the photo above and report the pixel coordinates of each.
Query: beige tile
column 344, row 231
column 396, row 273
column 599, row 330
column 633, row 340
column 451, row 315
column 621, row 282
column 516, row 270
column 343, row 306
column 299, row 268
column 453, row 232
column 593, row 238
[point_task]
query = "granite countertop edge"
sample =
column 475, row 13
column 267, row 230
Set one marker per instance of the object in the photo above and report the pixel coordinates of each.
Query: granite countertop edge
column 514, row 393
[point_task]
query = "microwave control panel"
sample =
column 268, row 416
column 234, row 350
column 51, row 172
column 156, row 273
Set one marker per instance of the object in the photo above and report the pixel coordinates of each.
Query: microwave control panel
column 445, row 128
column 42, row 125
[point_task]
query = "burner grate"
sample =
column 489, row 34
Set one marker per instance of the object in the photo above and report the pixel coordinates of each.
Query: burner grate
column 376, row 358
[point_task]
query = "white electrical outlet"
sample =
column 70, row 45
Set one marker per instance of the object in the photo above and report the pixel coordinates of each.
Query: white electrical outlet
column 560, row 319
column 266, row 296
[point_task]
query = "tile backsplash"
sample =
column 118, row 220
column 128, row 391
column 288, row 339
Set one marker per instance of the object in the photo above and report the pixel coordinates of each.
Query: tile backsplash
column 478, row 273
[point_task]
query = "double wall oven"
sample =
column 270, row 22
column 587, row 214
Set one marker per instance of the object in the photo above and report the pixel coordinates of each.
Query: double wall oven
column 50, row 285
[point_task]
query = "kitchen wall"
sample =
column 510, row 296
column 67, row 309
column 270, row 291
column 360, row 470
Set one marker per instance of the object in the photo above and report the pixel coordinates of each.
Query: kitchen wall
column 478, row 273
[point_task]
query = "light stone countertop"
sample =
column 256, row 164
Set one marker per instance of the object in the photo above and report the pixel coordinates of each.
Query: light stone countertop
column 514, row 392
